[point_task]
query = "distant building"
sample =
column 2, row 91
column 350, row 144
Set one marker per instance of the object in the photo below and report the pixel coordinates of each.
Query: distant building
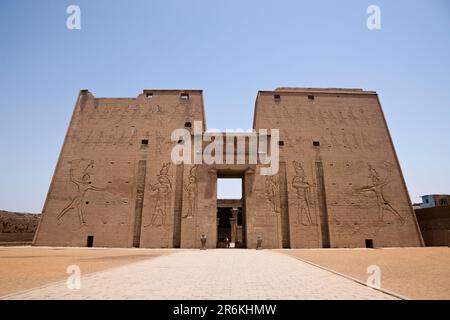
column 434, row 200
column 434, row 223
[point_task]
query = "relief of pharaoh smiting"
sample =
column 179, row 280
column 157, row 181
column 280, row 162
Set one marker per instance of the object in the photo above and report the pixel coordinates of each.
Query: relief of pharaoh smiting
column 80, row 176
column 162, row 191
column 303, row 202
column 377, row 189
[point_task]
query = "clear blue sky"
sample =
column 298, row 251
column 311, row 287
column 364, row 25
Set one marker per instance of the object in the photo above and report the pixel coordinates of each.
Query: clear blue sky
column 230, row 49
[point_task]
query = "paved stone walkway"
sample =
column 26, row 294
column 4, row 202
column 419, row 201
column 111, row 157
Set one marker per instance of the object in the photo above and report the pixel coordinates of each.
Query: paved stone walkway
column 211, row 274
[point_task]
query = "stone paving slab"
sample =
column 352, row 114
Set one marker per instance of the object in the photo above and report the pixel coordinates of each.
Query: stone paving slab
column 211, row 274
column 417, row 273
column 24, row 268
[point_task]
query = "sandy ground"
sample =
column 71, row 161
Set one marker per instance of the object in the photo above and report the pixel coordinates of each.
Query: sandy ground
column 23, row 268
column 417, row 273
column 232, row 274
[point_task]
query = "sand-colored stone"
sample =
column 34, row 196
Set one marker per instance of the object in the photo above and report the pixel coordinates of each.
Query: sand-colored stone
column 339, row 182
column 417, row 273
column 434, row 224
column 23, row 268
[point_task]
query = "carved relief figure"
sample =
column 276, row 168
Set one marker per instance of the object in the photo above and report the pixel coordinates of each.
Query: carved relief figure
column 136, row 113
column 99, row 139
column 352, row 116
column 158, row 139
column 88, row 137
column 377, row 187
column 191, row 190
column 356, row 143
column 163, row 189
column 303, row 190
column 331, row 116
column 83, row 185
column 342, row 119
column 272, row 193
column 311, row 117
column 133, row 136
column 334, row 140
column 121, row 138
column 346, row 142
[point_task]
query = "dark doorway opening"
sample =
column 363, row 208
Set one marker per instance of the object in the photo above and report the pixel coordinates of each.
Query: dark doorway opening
column 90, row 241
column 223, row 227
column 229, row 226
column 369, row 243
column 230, row 210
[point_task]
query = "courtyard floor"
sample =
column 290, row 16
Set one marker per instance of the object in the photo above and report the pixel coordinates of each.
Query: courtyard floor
column 24, row 268
column 417, row 273
column 40, row 273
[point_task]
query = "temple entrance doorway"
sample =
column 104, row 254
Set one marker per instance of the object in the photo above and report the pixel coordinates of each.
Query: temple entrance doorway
column 230, row 213
column 229, row 226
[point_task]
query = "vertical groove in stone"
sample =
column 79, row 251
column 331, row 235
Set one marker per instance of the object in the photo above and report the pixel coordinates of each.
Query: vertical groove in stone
column 323, row 211
column 284, row 207
column 178, row 207
column 142, row 169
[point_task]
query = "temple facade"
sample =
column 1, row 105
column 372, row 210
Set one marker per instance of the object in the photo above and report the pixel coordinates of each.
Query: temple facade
column 337, row 182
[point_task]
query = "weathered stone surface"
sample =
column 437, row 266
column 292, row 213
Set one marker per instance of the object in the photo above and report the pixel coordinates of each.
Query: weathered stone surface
column 434, row 224
column 339, row 183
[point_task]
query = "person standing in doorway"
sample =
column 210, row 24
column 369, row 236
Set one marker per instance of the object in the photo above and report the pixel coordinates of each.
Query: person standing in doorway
column 227, row 242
